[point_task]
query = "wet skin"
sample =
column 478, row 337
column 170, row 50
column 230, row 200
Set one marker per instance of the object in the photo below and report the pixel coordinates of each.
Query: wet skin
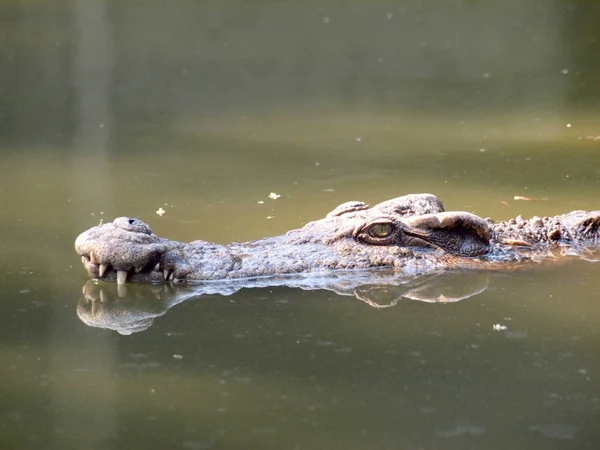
column 412, row 234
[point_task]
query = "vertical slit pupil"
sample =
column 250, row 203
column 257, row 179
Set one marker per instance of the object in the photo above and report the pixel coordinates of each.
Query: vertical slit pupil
column 381, row 230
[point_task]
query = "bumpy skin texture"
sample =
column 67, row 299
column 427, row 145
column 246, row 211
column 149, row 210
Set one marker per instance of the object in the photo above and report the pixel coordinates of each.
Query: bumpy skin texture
column 412, row 234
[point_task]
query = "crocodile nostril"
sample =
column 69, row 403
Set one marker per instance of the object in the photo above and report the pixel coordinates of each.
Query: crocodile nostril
column 132, row 224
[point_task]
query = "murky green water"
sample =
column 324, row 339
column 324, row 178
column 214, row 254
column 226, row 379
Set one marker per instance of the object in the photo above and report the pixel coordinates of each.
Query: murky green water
column 203, row 109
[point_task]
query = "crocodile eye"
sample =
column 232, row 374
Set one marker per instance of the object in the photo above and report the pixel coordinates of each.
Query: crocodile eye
column 381, row 230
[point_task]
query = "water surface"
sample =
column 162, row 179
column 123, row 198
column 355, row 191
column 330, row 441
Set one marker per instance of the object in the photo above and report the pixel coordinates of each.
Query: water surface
column 203, row 110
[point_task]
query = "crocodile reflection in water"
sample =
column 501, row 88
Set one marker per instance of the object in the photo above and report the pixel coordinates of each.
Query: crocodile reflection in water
column 413, row 234
column 131, row 309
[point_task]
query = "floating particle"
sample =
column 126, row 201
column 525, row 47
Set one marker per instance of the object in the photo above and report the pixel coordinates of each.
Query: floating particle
column 528, row 199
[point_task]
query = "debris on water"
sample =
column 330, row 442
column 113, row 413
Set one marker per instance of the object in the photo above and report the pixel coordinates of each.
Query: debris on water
column 592, row 138
column 529, row 199
column 358, row 139
column 499, row 327
column 274, row 196
column 177, row 356
column 160, row 211
column 270, row 217
column 568, row 125
column 260, row 202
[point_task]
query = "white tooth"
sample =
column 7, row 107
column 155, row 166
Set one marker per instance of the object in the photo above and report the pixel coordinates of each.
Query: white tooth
column 121, row 276
column 93, row 258
column 166, row 274
column 102, row 269
column 157, row 267
column 102, row 297
column 83, row 260
column 138, row 269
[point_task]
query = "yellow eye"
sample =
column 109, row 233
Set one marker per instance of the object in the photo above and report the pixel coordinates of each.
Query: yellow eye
column 381, row 230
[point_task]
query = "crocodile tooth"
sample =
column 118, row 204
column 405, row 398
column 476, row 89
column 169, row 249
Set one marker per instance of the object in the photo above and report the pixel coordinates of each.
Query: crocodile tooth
column 83, row 260
column 93, row 258
column 102, row 296
column 167, row 274
column 121, row 276
column 138, row 269
column 157, row 267
column 102, row 269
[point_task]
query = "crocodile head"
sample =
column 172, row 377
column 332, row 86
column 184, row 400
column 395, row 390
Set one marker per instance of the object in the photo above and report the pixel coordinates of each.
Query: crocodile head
column 121, row 246
column 412, row 233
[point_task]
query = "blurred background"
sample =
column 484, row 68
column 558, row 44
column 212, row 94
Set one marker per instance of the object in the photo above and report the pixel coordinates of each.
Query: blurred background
column 202, row 109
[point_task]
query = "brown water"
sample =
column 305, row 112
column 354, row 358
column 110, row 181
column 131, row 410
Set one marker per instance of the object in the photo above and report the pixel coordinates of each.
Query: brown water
column 203, row 109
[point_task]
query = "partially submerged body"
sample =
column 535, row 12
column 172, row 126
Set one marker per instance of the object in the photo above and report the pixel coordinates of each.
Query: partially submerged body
column 413, row 235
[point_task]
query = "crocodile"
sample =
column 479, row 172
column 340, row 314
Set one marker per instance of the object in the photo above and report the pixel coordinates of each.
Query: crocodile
column 412, row 235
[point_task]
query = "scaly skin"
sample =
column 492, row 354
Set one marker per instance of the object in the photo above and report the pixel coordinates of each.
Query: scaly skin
column 412, row 234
